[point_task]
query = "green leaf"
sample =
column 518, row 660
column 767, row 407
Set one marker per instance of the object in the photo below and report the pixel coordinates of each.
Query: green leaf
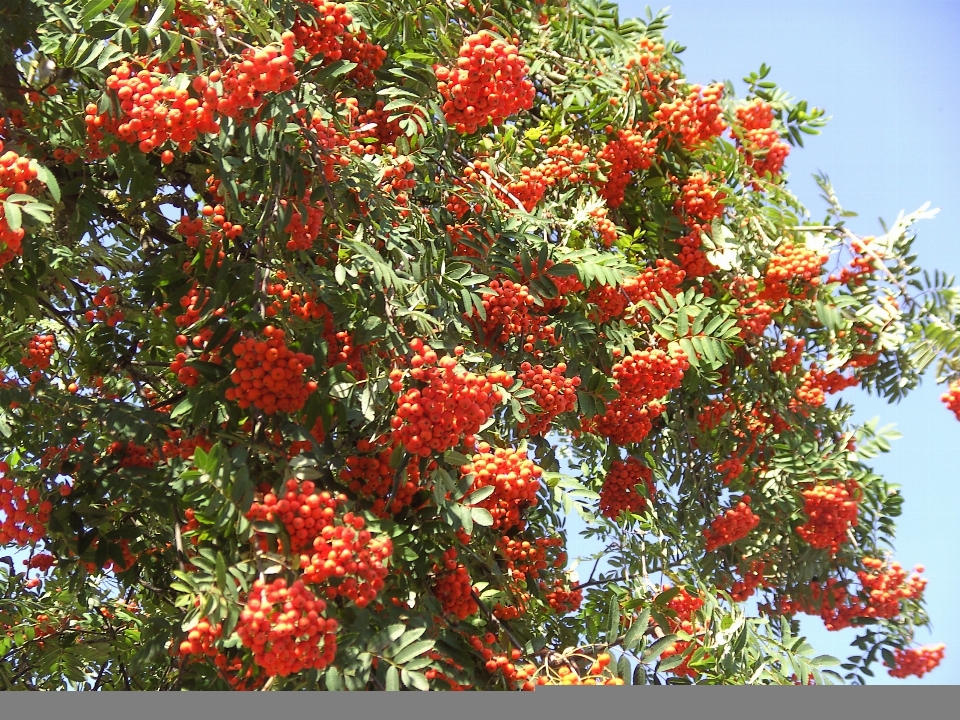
column 11, row 213
column 481, row 516
column 416, row 680
column 413, row 650
column 637, row 630
column 393, row 678
column 92, row 9
column 654, row 651
column 47, row 178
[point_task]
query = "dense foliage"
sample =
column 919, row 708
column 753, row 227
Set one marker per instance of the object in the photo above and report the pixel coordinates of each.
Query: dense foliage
column 319, row 320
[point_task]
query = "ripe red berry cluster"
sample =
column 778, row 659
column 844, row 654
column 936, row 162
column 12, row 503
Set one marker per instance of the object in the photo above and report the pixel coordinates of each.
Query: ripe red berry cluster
column 453, row 587
column 714, row 413
column 349, row 559
column 685, row 606
column 285, row 629
column 751, row 579
column 450, row 406
column 951, row 398
column 815, row 385
column 525, row 560
column 24, row 515
column 129, row 454
column 733, row 525
column 884, row 586
column 831, row 510
column 269, row 376
column 613, row 301
column 693, row 119
column 567, row 161
column 262, row 70
column 202, row 639
column 760, row 143
column 563, row 600
column 627, row 153
column 323, row 35
column 566, row 284
column 488, row 84
column 507, row 307
column 302, row 231
column 514, row 477
column 303, row 305
column 791, row 357
column 862, row 263
column 372, row 477
column 619, row 491
column 153, row 114
column 17, row 175
column 41, row 561
column 698, row 200
column 642, row 378
column 39, row 351
column 649, row 71
column 916, row 661
column 552, row 391
column 105, row 301
column 182, row 446
column 730, row 469
column 303, row 510
column 790, row 267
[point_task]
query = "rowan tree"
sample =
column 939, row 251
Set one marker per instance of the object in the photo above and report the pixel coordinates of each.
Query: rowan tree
column 319, row 320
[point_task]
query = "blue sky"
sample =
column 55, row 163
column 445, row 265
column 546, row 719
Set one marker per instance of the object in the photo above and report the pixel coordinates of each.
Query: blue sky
column 889, row 75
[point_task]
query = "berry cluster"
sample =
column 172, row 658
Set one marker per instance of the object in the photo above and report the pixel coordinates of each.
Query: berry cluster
column 562, row 600
column 751, row 579
column 735, row 524
column 514, row 477
column 24, row 515
column 525, row 560
column 264, row 70
column 619, row 491
column 105, row 301
column 792, row 267
column 129, row 454
column 916, row 661
column 831, row 510
column 759, row 142
column 627, row 153
column 697, row 200
column 552, row 391
column 152, row 114
column 284, row 628
column 303, row 232
column 883, row 587
column 613, row 301
column 268, row 375
column 449, row 408
column 303, row 511
column 567, row 161
column 372, row 477
column 815, row 385
column 693, row 119
column 951, row 398
column 791, row 357
column 641, row 379
column 349, row 554
column 507, row 306
column 685, row 606
column 39, row 351
column 453, row 587
column 16, row 176
column 488, row 84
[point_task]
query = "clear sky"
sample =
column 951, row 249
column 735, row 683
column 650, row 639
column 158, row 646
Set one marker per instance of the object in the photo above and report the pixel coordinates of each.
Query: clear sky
column 888, row 72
